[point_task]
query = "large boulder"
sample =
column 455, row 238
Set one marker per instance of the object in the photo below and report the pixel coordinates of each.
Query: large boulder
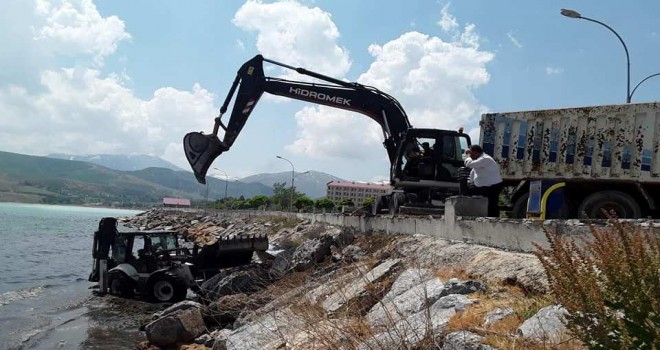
column 311, row 252
column 269, row 331
column 183, row 305
column 411, row 332
column 226, row 309
column 496, row 315
column 548, row 325
column 245, row 279
column 415, row 299
column 464, row 340
column 357, row 288
column 455, row 286
column 181, row 326
column 407, row 280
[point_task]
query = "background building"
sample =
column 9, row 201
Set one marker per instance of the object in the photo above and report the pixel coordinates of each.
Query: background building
column 176, row 202
column 356, row 191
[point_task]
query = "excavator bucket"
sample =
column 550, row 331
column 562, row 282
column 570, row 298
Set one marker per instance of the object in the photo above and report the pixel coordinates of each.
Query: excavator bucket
column 201, row 150
column 231, row 251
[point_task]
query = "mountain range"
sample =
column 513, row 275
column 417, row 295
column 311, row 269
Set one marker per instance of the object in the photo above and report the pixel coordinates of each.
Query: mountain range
column 312, row 183
column 128, row 181
column 121, row 161
column 34, row 179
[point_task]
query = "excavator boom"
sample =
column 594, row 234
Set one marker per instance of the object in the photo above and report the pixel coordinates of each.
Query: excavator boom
column 250, row 84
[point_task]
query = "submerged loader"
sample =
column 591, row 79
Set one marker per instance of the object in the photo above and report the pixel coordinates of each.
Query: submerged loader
column 154, row 265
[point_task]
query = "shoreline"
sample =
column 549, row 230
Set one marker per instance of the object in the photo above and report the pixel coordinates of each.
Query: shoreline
column 78, row 206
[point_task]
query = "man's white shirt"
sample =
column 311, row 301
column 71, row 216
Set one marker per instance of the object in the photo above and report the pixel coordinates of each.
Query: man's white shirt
column 485, row 170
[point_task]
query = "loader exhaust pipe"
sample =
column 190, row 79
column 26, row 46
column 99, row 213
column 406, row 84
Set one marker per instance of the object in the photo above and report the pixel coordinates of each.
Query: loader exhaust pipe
column 201, row 150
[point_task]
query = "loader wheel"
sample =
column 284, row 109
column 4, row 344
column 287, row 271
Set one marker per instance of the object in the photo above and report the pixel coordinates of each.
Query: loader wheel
column 622, row 204
column 166, row 288
column 120, row 284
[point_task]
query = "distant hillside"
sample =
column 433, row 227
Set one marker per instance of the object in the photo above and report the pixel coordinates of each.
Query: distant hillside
column 34, row 179
column 120, row 161
column 312, row 183
column 185, row 181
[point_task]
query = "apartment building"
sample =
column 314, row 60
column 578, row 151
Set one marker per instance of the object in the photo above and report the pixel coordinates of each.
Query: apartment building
column 356, row 191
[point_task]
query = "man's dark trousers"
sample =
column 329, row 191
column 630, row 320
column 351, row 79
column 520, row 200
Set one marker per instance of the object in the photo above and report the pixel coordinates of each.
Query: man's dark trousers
column 492, row 193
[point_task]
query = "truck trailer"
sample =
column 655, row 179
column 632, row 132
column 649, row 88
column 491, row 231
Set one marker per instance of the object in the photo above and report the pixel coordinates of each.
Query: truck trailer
column 599, row 161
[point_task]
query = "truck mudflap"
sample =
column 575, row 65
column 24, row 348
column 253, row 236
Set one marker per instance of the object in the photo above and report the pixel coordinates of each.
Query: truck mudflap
column 230, row 251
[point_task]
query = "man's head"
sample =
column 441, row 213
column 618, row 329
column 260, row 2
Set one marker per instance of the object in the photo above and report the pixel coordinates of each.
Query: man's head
column 475, row 151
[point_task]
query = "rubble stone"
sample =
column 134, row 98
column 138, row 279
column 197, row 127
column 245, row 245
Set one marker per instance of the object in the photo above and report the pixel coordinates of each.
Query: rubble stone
column 548, row 325
column 180, row 326
column 497, row 315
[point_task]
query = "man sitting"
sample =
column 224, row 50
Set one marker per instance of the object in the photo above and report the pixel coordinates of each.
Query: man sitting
column 486, row 178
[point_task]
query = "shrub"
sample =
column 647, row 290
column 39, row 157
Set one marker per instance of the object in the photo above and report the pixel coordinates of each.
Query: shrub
column 610, row 285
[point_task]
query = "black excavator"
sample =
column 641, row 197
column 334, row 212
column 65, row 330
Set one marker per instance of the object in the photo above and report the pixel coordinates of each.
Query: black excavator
column 425, row 163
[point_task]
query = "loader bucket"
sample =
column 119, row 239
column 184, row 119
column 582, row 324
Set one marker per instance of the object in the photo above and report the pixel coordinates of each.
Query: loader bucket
column 201, row 150
column 231, row 251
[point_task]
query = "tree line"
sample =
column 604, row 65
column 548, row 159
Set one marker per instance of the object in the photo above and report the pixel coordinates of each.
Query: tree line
column 280, row 200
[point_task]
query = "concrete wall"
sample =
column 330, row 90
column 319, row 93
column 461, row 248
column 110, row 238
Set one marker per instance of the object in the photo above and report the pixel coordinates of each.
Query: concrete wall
column 508, row 234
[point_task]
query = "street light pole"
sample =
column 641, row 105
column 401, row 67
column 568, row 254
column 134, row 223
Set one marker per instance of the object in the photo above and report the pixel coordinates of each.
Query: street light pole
column 293, row 172
column 226, row 180
column 575, row 14
column 640, row 83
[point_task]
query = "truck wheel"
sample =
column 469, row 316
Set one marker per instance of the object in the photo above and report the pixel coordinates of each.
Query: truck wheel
column 520, row 207
column 120, row 284
column 396, row 200
column 379, row 204
column 167, row 288
column 622, row 204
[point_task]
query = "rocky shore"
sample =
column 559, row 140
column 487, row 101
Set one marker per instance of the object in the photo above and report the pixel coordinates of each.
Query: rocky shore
column 322, row 287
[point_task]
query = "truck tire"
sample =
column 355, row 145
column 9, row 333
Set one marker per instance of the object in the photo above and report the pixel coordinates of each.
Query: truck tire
column 166, row 288
column 120, row 284
column 622, row 204
column 379, row 204
column 396, row 200
column 519, row 210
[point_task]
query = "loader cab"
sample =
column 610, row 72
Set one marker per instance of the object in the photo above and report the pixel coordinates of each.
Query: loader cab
column 430, row 155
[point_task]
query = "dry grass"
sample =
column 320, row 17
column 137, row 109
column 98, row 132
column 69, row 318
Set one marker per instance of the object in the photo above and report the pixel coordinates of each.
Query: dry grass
column 608, row 285
column 448, row 272
column 502, row 334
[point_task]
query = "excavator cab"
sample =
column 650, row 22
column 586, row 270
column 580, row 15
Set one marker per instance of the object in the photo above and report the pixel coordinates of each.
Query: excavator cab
column 430, row 155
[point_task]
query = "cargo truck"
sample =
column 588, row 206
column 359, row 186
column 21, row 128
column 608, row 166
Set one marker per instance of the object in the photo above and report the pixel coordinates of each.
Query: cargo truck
column 597, row 158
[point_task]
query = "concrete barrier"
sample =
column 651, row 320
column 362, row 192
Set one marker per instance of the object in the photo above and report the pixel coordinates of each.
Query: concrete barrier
column 508, row 234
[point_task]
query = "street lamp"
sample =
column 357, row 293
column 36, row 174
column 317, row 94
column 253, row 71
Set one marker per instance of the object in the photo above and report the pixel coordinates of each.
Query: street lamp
column 575, row 14
column 629, row 94
column 293, row 176
column 226, row 180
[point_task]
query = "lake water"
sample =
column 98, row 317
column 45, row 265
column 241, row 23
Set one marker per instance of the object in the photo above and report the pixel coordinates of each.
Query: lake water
column 45, row 259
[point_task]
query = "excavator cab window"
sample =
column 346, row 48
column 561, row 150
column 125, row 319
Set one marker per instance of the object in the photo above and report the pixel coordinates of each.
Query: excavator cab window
column 433, row 156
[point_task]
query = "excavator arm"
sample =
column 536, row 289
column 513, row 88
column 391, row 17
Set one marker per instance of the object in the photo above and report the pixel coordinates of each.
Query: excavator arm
column 250, row 84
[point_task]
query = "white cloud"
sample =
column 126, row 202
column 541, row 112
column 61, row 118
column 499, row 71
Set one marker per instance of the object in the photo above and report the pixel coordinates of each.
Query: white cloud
column 553, row 70
column 82, row 112
column 71, row 27
column 240, row 44
column 433, row 79
column 514, row 40
column 447, row 21
column 79, row 109
column 295, row 34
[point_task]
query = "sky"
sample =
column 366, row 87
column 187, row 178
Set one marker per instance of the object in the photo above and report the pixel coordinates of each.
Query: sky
column 127, row 77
